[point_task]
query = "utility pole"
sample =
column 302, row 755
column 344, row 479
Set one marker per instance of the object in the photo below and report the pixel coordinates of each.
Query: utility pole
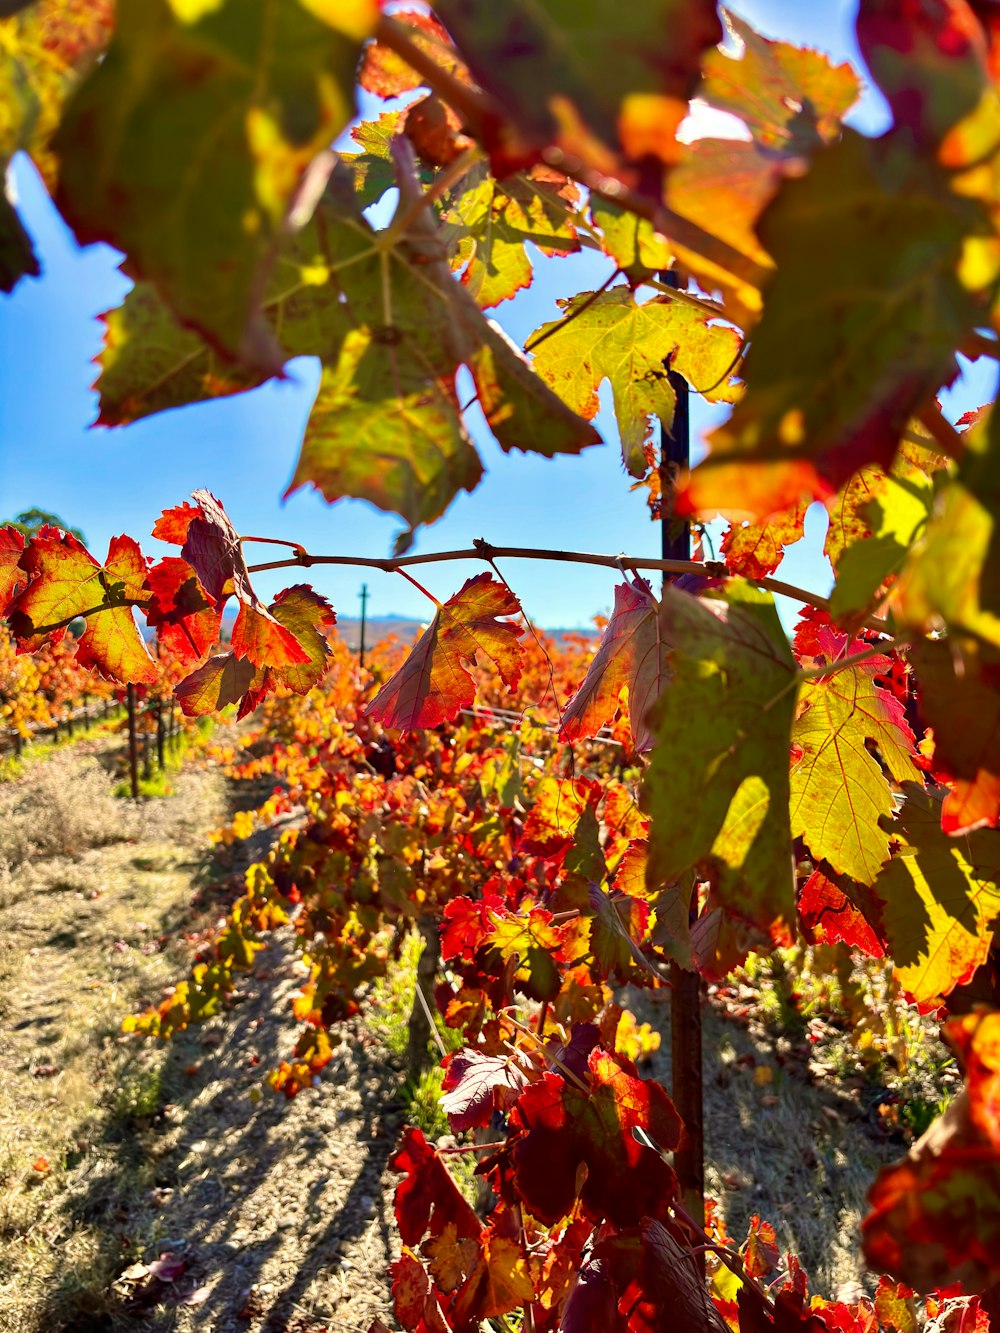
column 364, row 603
column 685, row 1000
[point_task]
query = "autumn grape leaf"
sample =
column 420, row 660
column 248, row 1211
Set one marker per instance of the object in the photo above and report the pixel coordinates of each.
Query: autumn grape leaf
column 975, row 1038
column 633, row 655
column 760, row 1249
column 598, row 83
column 44, row 50
column 896, row 517
column 386, row 74
column 563, row 1126
column 790, row 98
column 11, row 574
column 557, row 806
column 232, row 678
column 185, row 620
column 755, row 550
column 845, row 353
column 935, row 1215
column 629, row 240
column 940, row 899
column 530, row 941
column 486, row 226
column 618, row 927
column 717, row 787
column 433, row 684
column 959, row 697
column 476, row 1084
column 932, row 64
column 610, row 335
column 838, row 790
column 829, row 915
column 185, row 148
column 65, row 581
column 952, row 576
column 385, row 425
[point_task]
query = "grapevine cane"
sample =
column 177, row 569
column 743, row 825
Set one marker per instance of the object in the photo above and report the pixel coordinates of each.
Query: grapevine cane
column 685, row 1002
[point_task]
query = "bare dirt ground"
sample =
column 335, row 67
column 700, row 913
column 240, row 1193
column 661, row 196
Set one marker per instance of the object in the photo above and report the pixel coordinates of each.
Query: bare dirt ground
column 153, row 1188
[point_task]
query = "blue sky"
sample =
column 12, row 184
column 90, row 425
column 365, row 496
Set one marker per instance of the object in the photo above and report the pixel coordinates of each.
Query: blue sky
column 244, row 448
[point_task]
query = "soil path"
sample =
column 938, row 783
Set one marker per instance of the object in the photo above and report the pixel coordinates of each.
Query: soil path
column 152, row 1188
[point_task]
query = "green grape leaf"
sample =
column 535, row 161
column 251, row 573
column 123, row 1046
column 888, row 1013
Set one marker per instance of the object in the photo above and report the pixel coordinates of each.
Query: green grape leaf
column 717, row 787
column 610, row 335
column 487, row 225
column 845, row 351
column 838, row 790
column 385, row 425
column 601, row 83
column 629, row 240
column 791, row 99
column 186, row 146
column 940, row 899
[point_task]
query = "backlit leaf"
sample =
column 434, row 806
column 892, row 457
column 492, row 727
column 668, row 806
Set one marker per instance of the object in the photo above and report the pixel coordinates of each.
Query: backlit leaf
column 187, row 144
column 791, row 99
column 845, row 353
column 598, row 82
column 476, row 1084
column 717, row 787
column 433, row 683
column 387, row 74
column 631, row 655
column 838, row 790
column 610, row 335
column 940, row 898
column 630, row 241
column 960, row 698
column 66, row 582
column 185, row 620
column 829, row 916
column 757, row 549
column 564, row 1127
column 11, row 574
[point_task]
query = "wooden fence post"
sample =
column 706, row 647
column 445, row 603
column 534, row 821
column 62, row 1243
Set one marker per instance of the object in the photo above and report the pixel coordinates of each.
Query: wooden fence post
column 133, row 748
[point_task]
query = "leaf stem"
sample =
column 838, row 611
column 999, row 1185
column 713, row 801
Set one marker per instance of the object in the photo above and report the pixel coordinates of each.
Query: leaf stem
column 485, row 551
column 559, row 325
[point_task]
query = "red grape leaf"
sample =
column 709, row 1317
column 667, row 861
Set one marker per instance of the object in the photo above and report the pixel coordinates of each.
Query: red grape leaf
column 959, row 697
column 211, row 546
column 563, row 1128
column 828, row 915
column 632, row 654
column 65, row 582
column 428, row 1199
column 833, row 380
column 598, row 83
column 432, row 685
column 184, row 619
column 414, row 1298
column 757, row 549
column 717, row 788
column 976, row 1039
column 476, row 1084
column 935, row 1215
column 940, row 898
column 499, row 1280
column 838, row 789
column 760, row 1249
column 230, row 678
column 11, row 574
